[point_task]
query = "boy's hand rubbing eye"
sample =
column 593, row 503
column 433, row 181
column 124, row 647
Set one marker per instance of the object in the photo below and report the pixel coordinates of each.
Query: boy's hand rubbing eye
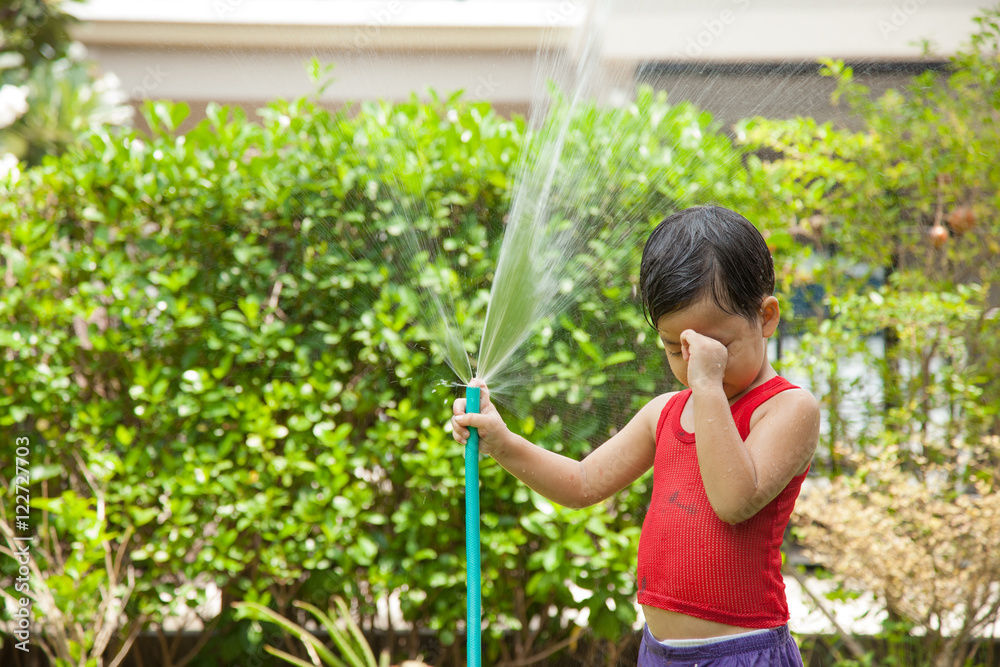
column 706, row 358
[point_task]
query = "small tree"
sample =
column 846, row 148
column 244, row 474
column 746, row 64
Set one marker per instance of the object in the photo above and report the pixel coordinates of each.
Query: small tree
column 911, row 201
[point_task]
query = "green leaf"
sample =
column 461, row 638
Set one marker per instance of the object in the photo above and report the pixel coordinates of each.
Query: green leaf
column 260, row 612
column 124, row 435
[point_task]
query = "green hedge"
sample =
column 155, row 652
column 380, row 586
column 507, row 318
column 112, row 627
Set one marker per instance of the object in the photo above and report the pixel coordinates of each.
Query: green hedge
column 222, row 328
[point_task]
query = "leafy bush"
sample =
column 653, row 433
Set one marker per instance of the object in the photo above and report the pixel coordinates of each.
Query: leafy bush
column 225, row 327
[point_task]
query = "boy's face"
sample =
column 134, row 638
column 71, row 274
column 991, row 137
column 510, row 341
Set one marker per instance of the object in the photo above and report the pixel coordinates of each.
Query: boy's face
column 745, row 343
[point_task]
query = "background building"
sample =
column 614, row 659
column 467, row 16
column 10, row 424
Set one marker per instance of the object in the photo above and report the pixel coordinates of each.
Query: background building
column 734, row 57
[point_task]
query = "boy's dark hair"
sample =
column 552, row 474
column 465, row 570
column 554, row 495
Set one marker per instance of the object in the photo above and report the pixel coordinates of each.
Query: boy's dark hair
column 705, row 250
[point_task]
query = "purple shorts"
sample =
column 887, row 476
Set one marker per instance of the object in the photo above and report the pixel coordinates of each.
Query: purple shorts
column 774, row 648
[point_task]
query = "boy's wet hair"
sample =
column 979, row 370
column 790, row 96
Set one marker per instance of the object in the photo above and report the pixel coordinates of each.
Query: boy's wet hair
column 705, row 250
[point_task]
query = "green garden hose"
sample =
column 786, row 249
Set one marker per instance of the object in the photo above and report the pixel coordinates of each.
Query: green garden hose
column 473, row 589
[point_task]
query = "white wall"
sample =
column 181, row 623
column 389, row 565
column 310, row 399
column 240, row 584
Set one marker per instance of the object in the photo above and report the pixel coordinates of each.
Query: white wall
column 250, row 51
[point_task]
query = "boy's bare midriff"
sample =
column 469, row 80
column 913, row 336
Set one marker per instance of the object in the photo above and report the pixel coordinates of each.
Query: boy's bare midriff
column 665, row 625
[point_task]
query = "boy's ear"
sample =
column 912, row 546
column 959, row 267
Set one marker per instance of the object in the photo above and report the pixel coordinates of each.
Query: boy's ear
column 770, row 315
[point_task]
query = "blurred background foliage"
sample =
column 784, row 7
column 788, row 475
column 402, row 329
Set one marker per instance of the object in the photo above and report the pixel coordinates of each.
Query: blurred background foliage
column 901, row 226
column 36, row 30
column 217, row 345
column 49, row 92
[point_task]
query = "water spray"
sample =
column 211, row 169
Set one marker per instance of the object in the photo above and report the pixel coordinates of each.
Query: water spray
column 473, row 588
column 533, row 268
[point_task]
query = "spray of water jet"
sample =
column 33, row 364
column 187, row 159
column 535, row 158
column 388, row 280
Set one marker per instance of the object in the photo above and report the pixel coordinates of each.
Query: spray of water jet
column 537, row 270
column 568, row 229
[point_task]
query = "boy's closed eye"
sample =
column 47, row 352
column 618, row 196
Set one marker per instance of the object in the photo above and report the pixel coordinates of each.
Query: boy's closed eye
column 667, row 344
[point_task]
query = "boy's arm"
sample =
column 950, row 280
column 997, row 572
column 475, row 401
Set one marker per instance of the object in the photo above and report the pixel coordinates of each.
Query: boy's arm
column 741, row 478
column 605, row 471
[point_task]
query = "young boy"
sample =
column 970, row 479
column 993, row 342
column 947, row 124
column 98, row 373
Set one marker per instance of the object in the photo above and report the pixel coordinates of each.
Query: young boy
column 728, row 454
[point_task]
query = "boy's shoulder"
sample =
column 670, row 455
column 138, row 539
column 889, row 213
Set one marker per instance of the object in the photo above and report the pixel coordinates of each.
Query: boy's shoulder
column 792, row 403
column 659, row 402
column 796, row 395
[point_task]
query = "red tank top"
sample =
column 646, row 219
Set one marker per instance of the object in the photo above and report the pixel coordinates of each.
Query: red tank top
column 692, row 562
